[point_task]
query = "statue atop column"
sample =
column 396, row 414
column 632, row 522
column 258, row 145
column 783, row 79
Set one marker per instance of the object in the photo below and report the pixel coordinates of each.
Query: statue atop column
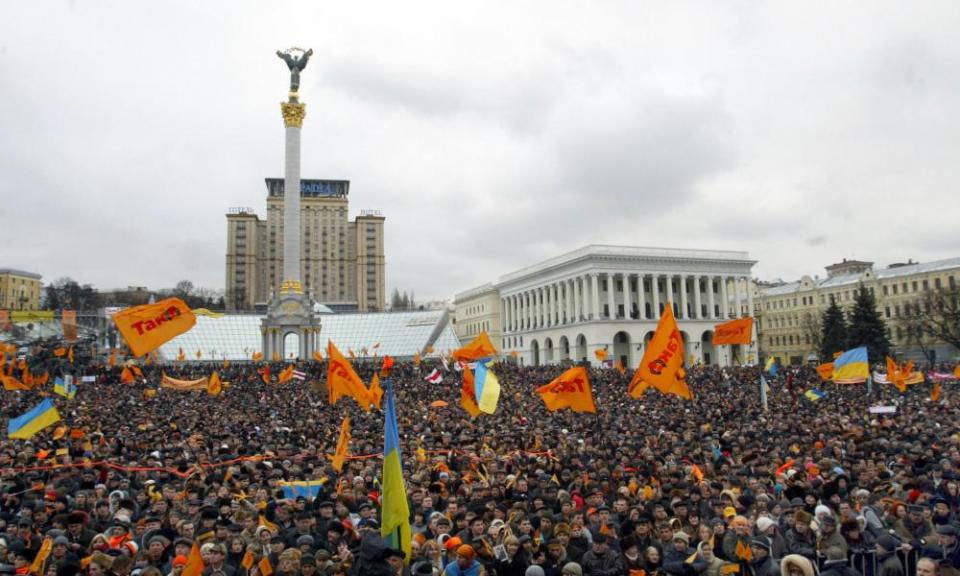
column 296, row 59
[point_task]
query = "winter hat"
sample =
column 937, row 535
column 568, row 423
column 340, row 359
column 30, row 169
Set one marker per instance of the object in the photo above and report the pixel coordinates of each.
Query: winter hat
column 764, row 523
column 573, row 569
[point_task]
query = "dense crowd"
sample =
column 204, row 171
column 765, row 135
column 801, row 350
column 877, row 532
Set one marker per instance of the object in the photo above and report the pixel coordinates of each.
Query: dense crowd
column 655, row 486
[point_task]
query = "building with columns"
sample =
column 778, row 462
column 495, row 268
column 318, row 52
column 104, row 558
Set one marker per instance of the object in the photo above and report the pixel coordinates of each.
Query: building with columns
column 611, row 298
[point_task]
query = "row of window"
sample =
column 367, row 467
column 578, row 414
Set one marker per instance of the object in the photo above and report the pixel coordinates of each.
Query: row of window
column 913, row 286
column 475, row 328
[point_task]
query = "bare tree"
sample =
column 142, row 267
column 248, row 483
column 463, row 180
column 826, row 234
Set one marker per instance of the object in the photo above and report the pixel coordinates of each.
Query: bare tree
column 935, row 317
column 812, row 328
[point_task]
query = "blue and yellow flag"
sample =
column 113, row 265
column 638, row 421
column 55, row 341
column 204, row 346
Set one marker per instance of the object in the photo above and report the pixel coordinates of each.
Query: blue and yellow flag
column 25, row 426
column 309, row 489
column 851, row 367
column 813, row 394
column 771, row 365
column 394, row 513
column 65, row 387
column 486, row 388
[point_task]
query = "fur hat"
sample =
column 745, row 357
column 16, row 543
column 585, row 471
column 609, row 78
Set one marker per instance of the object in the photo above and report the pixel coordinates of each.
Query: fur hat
column 802, row 517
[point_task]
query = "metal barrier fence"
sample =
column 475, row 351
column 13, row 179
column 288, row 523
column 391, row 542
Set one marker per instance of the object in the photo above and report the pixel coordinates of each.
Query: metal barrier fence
column 865, row 561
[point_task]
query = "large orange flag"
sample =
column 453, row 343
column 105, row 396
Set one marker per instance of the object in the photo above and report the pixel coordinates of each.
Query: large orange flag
column 481, row 347
column 148, row 326
column 342, row 445
column 739, row 331
column 257, row 356
column 569, row 390
column 468, row 394
column 285, row 375
column 825, row 370
column 214, row 385
column 662, row 364
column 342, row 380
column 194, row 565
column 376, row 392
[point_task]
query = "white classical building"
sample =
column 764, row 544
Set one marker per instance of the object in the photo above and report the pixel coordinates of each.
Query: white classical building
column 611, row 298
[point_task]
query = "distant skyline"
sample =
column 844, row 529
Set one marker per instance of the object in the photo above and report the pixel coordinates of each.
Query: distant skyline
column 491, row 135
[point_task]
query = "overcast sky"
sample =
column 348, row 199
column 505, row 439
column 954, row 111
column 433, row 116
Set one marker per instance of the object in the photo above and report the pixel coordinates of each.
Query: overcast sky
column 491, row 135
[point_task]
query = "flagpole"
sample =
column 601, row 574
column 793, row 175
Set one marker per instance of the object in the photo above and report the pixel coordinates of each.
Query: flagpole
column 870, row 385
column 763, row 393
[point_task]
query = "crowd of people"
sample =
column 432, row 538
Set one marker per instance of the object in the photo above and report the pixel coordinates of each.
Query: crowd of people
column 655, row 486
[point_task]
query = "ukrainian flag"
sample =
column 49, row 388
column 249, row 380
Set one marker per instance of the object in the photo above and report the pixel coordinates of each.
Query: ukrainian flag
column 813, row 394
column 851, row 367
column 487, row 388
column 25, row 426
column 394, row 513
column 65, row 387
column 771, row 365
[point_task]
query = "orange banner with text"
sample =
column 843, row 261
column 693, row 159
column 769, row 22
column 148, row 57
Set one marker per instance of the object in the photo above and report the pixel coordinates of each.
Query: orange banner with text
column 739, row 331
column 147, row 327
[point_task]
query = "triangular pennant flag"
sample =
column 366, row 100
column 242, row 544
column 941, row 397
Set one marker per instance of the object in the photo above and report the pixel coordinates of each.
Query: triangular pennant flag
column 569, row 390
column 342, row 446
column 662, row 364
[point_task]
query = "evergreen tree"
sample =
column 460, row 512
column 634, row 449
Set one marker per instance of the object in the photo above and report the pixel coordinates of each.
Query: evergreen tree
column 867, row 327
column 834, row 332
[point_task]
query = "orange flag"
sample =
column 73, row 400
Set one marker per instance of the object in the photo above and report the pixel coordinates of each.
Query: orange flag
column 59, row 432
column 621, row 368
column 318, row 355
column 61, row 351
column 285, row 374
column 935, row 393
column 743, row 551
column 342, row 446
column 468, row 398
column 697, row 473
column 739, row 331
column 112, row 361
column 198, row 354
column 956, row 371
column 70, row 355
column 41, row 557
column 416, row 358
column 137, row 372
column 43, row 379
column 569, row 390
column 148, row 326
column 376, row 392
column 126, row 376
column 248, row 559
column 257, row 356
column 895, row 376
column 601, row 354
column 194, row 565
column 342, row 380
column 276, row 356
column 480, row 347
column 264, row 566
column 662, row 364
column 11, row 383
column 825, row 370
column 214, row 386
column 265, row 374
